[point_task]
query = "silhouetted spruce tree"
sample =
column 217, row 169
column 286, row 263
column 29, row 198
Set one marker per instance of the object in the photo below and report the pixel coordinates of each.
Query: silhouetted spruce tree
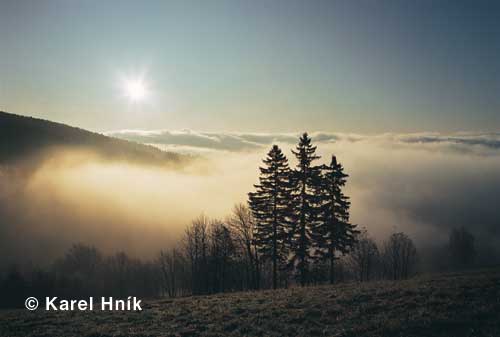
column 332, row 232
column 306, row 205
column 270, row 208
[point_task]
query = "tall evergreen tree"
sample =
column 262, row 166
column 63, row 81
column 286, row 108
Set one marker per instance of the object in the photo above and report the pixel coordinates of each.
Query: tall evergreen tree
column 332, row 232
column 306, row 203
column 270, row 208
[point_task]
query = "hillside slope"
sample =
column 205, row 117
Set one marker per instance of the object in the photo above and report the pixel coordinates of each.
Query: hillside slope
column 466, row 304
column 22, row 136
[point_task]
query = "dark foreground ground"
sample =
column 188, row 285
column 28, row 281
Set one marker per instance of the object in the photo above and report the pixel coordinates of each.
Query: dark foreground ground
column 465, row 304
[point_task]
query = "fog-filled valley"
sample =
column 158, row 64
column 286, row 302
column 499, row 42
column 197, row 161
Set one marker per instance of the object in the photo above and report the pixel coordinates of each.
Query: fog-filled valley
column 57, row 195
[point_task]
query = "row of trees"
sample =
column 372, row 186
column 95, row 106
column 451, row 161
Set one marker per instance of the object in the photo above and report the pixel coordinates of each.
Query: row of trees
column 82, row 272
column 214, row 256
column 395, row 260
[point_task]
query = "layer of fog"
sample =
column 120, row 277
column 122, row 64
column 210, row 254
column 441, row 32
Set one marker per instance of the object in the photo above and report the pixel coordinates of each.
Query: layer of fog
column 396, row 184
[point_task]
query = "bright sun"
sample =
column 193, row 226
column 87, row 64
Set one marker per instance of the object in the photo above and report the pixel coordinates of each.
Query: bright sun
column 135, row 90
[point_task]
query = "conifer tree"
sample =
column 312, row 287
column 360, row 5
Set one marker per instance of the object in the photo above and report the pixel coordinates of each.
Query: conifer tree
column 306, row 204
column 270, row 208
column 332, row 232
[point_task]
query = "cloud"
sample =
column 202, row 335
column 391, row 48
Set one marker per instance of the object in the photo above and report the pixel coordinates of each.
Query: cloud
column 189, row 138
column 228, row 141
column 479, row 143
column 75, row 196
column 489, row 140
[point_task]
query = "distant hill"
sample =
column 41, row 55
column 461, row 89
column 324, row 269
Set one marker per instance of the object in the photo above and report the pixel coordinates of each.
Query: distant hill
column 22, row 136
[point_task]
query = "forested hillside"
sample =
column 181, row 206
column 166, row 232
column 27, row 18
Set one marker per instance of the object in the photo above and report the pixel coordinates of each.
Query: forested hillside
column 22, row 137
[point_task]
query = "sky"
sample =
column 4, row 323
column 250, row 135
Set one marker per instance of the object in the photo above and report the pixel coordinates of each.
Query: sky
column 255, row 66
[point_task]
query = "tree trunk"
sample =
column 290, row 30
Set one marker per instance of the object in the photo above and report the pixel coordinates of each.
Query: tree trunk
column 303, row 257
column 257, row 270
column 332, row 267
column 275, row 258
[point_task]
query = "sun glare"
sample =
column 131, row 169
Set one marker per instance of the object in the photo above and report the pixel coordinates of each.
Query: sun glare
column 135, row 90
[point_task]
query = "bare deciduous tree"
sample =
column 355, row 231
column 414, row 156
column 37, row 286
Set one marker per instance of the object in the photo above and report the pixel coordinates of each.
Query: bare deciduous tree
column 364, row 257
column 222, row 254
column 173, row 273
column 196, row 248
column 399, row 256
column 242, row 225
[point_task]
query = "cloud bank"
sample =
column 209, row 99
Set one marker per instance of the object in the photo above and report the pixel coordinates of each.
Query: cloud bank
column 237, row 141
column 423, row 184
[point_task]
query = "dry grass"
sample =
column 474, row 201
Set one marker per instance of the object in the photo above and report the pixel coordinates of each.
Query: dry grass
column 462, row 304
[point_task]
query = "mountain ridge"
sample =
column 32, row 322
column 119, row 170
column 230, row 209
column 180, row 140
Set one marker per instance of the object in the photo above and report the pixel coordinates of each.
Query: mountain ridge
column 22, row 136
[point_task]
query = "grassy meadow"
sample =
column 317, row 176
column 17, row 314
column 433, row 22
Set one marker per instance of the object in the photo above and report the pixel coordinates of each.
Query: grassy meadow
column 454, row 304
